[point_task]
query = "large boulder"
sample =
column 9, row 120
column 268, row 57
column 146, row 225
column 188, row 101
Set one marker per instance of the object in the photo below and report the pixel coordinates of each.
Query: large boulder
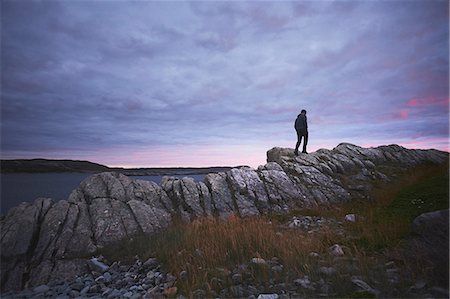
column 433, row 240
column 41, row 240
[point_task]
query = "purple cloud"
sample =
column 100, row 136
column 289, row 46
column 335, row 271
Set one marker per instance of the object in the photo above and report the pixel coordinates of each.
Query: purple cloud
column 99, row 80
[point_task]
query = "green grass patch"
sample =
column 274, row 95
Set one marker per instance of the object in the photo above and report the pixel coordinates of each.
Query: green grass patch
column 428, row 195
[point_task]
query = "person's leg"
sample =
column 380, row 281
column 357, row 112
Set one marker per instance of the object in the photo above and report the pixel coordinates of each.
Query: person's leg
column 299, row 140
column 305, row 142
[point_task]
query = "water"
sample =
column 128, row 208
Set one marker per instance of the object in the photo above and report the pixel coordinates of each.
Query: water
column 20, row 187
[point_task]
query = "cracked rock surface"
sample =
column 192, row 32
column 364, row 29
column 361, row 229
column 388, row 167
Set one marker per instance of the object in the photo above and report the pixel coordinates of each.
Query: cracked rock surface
column 44, row 240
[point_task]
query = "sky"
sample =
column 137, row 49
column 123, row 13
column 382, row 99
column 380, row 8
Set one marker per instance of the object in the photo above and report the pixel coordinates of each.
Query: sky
column 192, row 84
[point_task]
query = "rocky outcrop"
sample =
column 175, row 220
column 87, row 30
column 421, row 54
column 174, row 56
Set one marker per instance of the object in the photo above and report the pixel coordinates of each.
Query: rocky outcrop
column 44, row 240
column 432, row 240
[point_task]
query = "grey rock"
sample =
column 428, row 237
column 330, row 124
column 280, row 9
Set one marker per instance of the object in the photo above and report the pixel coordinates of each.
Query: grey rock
column 237, row 291
column 96, row 265
column 336, row 250
column 184, row 195
column 114, row 294
column 433, row 240
column 41, row 289
column 350, row 218
column 183, row 275
column 77, row 286
column 95, row 289
column 277, row 268
column 268, row 296
column 84, row 291
column 258, row 261
column 329, row 271
column 248, row 191
column 199, row 293
column 107, row 276
column 440, row 292
column 151, row 263
column 136, row 296
column 364, row 286
column 237, row 278
column 220, row 194
column 314, row 255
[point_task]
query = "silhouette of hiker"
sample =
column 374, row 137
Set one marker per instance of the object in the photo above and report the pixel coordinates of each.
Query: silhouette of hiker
column 301, row 126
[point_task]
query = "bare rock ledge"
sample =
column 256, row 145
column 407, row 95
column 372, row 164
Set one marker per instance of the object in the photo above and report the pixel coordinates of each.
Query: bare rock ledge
column 44, row 241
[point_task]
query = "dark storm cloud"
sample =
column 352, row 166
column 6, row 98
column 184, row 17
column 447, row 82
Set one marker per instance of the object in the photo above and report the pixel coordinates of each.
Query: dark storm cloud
column 99, row 77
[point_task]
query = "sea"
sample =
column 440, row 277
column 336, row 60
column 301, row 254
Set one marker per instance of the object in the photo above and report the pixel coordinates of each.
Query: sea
column 16, row 188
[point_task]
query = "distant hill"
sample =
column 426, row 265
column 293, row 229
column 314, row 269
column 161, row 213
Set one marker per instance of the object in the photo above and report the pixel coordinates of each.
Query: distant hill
column 46, row 165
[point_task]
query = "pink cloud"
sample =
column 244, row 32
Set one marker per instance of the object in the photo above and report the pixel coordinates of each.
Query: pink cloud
column 403, row 114
column 428, row 101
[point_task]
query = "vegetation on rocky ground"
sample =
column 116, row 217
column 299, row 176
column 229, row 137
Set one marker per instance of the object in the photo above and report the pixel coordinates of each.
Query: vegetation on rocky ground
column 211, row 254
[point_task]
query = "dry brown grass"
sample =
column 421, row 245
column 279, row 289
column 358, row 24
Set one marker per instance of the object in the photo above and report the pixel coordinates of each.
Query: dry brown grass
column 208, row 245
column 208, row 248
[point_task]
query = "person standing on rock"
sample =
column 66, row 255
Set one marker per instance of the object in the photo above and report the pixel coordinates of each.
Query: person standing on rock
column 301, row 126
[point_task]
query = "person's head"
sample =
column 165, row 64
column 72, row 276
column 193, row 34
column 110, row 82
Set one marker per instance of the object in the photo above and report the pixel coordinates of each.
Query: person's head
column 303, row 111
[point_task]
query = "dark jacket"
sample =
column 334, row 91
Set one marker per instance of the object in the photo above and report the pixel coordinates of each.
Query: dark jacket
column 301, row 124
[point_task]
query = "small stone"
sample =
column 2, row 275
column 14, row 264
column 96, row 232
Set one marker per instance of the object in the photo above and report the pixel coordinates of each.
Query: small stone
column 304, row 282
column 151, row 263
column 100, row 279
column 74, row 293
column 183, row 275
column 275, row 261
column 41, row 289
column 84, row 291
column 268, row 296
column 277, row 268
column 106, row 292
column 114, row 294
column 150, row 275
column 107, row 276
column 253, row 290
column 326, row 288
column 440, row 292
column 95, row 289
column 96, row 265
column 77, row 286
column 420, row 284
column 364, row 286
column 350, row 218
column 258, row 261
column 136, row 296
column 327, row 270
column 314, row 255
column 237, row 291
column 198, row 252
column 336, row 250
column 199, row 293
column 237, row 278
column 128, row 294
